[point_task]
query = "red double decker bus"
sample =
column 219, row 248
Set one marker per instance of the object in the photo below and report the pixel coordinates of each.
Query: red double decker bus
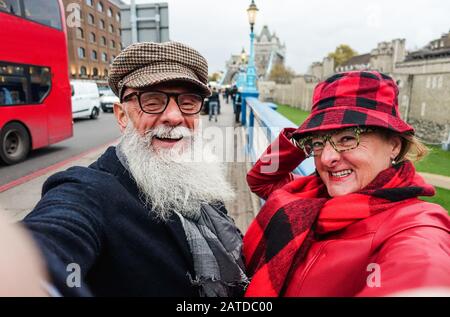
column 35, row 95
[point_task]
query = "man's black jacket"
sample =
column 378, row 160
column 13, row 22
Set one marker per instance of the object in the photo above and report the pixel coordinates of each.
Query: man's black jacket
column 92, row 216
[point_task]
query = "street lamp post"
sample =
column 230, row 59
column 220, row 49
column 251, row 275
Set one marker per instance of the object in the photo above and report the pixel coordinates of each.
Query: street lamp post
column 251, row 70
column 250, row 89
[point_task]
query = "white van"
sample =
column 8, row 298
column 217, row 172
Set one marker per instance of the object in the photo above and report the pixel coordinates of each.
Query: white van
column 85, row 99
column 107, row 100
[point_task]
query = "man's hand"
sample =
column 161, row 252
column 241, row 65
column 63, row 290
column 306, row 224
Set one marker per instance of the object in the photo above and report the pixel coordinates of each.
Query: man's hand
column 22, row 271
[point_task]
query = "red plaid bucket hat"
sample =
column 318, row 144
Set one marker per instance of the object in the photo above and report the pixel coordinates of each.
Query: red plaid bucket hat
column 357, row 98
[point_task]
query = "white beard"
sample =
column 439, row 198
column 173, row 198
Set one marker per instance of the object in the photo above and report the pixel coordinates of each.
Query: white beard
column 177, row 179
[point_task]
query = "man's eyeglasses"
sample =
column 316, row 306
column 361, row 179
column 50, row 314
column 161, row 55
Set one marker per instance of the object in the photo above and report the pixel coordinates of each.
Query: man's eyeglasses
column 156, row 102
column 340, row 140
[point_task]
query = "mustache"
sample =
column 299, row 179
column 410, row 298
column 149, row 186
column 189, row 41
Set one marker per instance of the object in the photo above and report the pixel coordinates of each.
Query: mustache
column 165, row 131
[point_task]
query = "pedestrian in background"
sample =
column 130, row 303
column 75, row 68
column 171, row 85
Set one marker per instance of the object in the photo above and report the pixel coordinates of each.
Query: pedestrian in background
column 214, row 104
column 238, row 106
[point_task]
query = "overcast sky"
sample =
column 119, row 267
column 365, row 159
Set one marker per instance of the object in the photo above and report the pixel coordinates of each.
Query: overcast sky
column 310, row 29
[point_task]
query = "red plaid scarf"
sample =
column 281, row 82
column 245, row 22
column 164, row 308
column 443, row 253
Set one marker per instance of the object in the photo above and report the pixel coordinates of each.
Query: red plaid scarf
column 280, row 236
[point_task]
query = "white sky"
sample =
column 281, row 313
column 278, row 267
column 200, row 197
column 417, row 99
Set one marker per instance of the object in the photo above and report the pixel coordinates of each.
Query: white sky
column 310, row 29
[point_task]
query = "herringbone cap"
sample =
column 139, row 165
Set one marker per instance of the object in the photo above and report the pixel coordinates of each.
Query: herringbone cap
column 145, row 64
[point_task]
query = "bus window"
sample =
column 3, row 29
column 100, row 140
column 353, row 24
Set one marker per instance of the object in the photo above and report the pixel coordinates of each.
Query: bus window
column 40, row 83
column 13, row 90
column 23, row 84
column 43, row 11
column 10, row 6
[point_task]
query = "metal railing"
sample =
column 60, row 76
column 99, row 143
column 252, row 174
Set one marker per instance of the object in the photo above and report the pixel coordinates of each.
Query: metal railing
column 263, row 124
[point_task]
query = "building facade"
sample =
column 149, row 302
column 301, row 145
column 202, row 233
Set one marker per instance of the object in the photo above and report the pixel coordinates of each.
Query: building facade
column 424, row 81
column 94, row 37
column 423, row 77
column 146, row 22
column 268, row 51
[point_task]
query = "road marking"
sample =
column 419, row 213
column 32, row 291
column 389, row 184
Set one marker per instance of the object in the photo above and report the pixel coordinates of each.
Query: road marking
column 50, row 168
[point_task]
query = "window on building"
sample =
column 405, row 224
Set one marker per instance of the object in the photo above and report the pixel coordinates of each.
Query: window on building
column 90, row 3
column 442, row 43
column 111, row 28
column 113, row 44
column 428, row 82
column 83, row 71
column 434, row 85
column 91, row 19
column 118, row 17
column 105, row 72
column 81, row 52
column 100, row 6
column 110, row 12
column 92, row 38
column 103, row 41
column 94, row 71
column 101, row 24
column 10, row 6
column 423, row 109
column 43, row 11
column 440, row 81
column 104, row 57
column 94, row 55
column 79, row 33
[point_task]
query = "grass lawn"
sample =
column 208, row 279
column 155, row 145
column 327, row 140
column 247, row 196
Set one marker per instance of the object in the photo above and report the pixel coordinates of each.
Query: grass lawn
column 442, row 198
column 294, row 114
column 437, row 162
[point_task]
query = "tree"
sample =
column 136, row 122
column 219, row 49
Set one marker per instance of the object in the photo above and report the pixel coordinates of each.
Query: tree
column 281, row 74
column 215, row 76
column 342, row 54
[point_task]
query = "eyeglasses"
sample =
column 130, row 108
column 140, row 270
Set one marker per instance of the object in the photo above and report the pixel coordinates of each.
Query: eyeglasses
column 340, row 140
column 156, row 102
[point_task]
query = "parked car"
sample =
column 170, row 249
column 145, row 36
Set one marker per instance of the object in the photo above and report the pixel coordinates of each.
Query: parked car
column 85, row 99
column 107, row 100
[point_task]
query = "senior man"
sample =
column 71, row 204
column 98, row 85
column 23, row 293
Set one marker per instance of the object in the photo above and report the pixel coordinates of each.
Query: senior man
column 147, row 218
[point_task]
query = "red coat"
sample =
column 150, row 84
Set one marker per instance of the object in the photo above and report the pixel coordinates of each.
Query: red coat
column 394, row 251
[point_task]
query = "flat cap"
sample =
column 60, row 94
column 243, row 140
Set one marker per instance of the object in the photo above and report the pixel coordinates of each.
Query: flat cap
column 145, row 64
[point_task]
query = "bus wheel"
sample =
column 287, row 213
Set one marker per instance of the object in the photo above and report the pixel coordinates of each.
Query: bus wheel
column 94, row 113
column 14, row 143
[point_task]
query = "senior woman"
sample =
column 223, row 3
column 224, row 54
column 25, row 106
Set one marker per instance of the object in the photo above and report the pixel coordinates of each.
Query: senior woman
column 356, row 227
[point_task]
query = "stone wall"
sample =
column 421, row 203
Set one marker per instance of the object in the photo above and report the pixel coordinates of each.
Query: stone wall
column 424, row 98
column 430, row 131
column 297, row 94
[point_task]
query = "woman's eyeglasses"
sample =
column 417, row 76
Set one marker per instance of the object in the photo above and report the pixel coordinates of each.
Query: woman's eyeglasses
column 340, row 140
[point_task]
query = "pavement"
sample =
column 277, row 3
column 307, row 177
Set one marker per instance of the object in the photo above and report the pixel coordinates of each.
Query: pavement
column 437, row 180
column 18, row 198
